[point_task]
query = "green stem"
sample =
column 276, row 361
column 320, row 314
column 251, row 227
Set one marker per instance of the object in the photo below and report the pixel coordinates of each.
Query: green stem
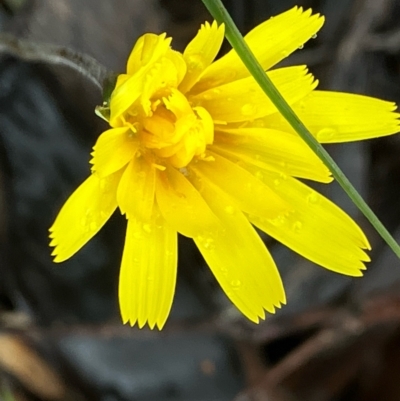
column 218, row 11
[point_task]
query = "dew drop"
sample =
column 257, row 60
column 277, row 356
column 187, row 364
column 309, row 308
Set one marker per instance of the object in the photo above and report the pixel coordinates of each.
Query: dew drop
column 184, row 171
column 105, row 185
column 297, row 226
column 248, row 109
column 284, row 53
column 230, row 209
column 314, row 36
column 236, row 284
column 277, row 182
column 301, row 47
column 326, row 133
column 147, row 228
column 312, row 198
column 279, row 221
column 259, row 175
column 302, row 105
column 259, row 123
column 208, row 243
column 103, row 214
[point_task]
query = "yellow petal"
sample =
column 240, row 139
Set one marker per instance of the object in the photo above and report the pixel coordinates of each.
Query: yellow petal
column 181, row 204
column 238, row 258
column 135, row 194
column 148, row 272
column 113, row 150
column 316, row 228
column 244, row 100
column 201, row 52
column 148, row 49
column 125, row 95
column 83, row 215
column 167, row 73
column 270, row 42
column 342, row 117
column 250, row 194
column 273, row 150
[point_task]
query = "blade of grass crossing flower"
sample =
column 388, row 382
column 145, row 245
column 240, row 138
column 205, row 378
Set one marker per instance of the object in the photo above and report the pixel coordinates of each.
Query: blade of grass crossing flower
column 218, row 11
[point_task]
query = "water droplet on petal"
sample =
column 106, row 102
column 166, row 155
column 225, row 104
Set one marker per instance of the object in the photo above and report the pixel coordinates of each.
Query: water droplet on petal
column 230, row 209
column 236, row 284
column 301, row 47
column 279, row 221
column 105, row 185
column 284, row 53
column 248, row 109
column 147, row 228
column 314, row 36
column 297, row 226
column 207, row 242
column 277, row 182
column 312, row 198
column 325, row 134
column 302, row 105
column 259, row 175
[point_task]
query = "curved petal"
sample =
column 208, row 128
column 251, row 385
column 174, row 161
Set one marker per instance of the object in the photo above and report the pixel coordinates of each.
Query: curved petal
column 135, row 194
column 244, row 100
column 113, row 150
column 166, row 73
column 342, row 117
column 201, row 52
column 316, row 228
column 148, row 49
column 148, row 272
column 238, row 258
column 270, row 42
column 83, row 215
column 182, row 206
column 273, row 150
column 125, row 95
column 246, row 191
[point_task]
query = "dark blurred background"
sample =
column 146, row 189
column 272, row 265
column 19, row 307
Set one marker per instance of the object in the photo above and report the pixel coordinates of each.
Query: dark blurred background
column 61, row 338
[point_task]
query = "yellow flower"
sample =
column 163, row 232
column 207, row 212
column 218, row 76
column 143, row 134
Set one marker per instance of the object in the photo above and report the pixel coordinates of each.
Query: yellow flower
column 195, row 147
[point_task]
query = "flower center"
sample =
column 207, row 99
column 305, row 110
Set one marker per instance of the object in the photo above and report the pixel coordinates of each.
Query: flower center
column 163, row 119
column 175, row 131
